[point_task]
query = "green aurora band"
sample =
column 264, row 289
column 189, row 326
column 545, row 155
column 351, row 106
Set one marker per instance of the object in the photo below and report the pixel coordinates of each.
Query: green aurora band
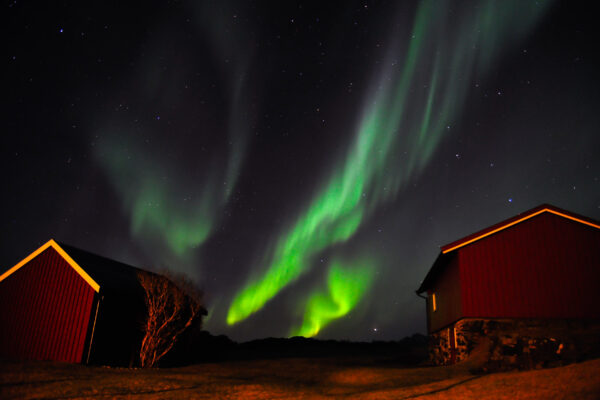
column 170, row 207
column 346, row 285
column 411, row 106
column 159, row 209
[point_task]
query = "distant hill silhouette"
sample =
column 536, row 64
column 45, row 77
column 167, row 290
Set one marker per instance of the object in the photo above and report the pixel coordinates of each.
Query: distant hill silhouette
column 201, row 346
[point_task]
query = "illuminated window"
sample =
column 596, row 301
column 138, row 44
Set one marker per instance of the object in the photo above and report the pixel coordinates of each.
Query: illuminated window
column 454, row 332
column 433, row 303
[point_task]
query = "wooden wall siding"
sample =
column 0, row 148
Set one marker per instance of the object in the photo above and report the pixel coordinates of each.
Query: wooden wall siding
column 447, row 292
column 45, row 309
column 545, row 267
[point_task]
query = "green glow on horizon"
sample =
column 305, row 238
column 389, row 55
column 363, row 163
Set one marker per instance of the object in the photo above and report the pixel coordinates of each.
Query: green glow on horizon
column 346, row 286
column 411, row 105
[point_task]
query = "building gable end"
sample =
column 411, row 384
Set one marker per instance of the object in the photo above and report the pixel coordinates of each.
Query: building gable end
column 485, row 233
column 63, row 254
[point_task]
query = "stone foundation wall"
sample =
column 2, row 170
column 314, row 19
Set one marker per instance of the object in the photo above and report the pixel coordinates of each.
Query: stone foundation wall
column 439, row 347
column 522, row 343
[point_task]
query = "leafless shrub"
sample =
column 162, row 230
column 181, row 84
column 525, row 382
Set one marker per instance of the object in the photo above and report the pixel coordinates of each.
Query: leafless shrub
column 173, row 304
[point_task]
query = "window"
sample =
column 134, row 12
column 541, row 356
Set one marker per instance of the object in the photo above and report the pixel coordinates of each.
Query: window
column 433, row 303
column 454, row 334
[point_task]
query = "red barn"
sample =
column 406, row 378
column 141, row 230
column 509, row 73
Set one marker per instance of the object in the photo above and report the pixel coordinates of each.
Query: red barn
column 538, row 269
column 65, row 304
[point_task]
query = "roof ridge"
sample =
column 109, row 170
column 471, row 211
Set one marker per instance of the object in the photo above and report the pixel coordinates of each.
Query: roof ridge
column 517, row 219
column 72, row 263
column 447, row 251
column 91, row 253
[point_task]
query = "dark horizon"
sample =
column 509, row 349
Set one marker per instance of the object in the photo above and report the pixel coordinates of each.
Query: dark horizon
column 302, row 162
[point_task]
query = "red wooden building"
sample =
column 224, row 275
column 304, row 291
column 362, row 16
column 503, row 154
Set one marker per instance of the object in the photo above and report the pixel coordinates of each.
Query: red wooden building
column 65, row 304
column 541, row 264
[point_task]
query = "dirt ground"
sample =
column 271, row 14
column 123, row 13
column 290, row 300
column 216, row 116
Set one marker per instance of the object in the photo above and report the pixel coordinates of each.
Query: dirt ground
column 294, row 379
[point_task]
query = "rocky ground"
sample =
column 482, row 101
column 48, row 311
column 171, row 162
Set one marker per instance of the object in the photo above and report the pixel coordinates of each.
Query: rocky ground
column 295, row 378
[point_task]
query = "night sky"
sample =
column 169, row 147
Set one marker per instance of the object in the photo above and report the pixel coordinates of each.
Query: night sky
column 303, row 162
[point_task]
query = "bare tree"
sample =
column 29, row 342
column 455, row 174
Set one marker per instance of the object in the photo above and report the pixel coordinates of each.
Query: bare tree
column 173, row 304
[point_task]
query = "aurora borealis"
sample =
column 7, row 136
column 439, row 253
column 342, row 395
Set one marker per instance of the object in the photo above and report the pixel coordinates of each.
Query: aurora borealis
column 346, row 286
column 373, row 172
column 302, row 162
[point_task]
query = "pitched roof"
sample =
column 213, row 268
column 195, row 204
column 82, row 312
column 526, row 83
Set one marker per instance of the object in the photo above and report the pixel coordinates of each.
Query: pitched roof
column 516, row 220
column 96, row 270
column 447, row 250
column 107, row 272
